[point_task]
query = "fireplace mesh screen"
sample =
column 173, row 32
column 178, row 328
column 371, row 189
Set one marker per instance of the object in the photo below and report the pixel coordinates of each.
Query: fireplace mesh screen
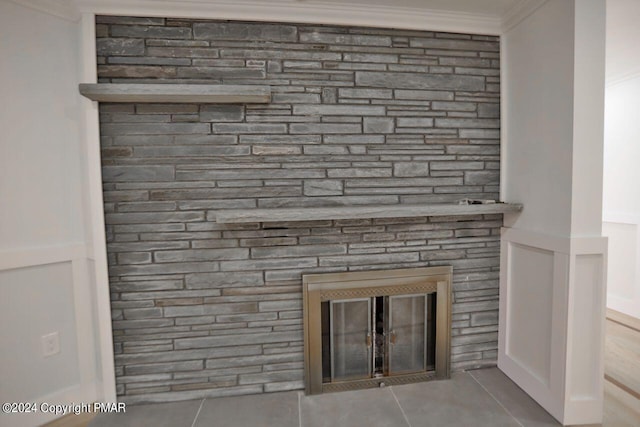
column 368, row 328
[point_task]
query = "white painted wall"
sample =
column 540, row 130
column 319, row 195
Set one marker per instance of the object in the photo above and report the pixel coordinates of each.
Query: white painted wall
column 45, row 282
column 588, row 123
column 545, row 76
column 623, row 35
column 553, row 258
column 40, row 151
column 621, row 196
column 537, row 119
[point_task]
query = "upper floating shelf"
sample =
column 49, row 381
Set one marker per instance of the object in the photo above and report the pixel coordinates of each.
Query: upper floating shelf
column 177, row 93
column 228, row 216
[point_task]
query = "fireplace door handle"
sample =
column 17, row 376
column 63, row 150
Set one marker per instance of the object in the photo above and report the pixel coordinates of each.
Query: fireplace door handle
column 368, row 339
column 392, row 337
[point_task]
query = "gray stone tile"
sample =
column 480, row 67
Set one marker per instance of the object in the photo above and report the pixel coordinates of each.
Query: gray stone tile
column 123, row 47
column 460, row 401
column 374, row 407
column 243, row 31
column 270, row 409
column 176, row 414
column 512, row 397
column 419, row 81
column 359, row 117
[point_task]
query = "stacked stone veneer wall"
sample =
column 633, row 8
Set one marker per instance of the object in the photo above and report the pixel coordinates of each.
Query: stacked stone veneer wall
column 358, row 116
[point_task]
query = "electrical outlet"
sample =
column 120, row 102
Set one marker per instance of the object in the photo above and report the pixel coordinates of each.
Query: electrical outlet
column 50, row 344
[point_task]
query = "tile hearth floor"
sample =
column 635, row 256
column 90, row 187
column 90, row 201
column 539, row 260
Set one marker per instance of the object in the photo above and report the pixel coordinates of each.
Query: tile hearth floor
column 476, row 398
column 480, row 398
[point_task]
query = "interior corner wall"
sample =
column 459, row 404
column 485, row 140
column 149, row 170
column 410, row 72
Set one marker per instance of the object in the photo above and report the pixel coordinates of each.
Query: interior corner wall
column 621, row 211
column 44, row 277
column 537, row 117
column 553, row 259
column 588, row 119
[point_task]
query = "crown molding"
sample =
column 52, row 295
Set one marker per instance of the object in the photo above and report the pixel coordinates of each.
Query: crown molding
column 297, row 11
column 64, row 9
column 622, row 78
column 519, row 12
column 301, row 12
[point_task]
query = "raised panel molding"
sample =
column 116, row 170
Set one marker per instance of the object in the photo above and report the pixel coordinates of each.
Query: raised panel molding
column 75, row 255
column 85, row 387
column 586, row 303
column 572, row 391
column 530, row 298
column 623, row 291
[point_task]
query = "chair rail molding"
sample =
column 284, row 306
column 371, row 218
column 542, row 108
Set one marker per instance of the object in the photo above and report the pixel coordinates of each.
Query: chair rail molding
column 29, row 257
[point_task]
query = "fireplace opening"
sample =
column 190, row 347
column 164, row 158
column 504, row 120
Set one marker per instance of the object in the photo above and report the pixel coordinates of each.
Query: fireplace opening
column 378, row 336
column 365, row 328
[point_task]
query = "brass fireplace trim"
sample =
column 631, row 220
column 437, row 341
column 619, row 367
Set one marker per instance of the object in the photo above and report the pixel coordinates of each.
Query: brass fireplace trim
column 375, row 382
column 323, row 287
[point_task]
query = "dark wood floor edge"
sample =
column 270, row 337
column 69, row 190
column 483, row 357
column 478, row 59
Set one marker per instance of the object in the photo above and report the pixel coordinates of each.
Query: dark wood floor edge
column 620, row 385
column 623, row 319
column 623, row 324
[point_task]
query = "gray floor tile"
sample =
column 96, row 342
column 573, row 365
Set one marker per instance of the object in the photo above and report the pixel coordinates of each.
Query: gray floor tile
column 512, row 397
column 372, row 408
column 460, row 401
column 175, row 414
column 258, row 410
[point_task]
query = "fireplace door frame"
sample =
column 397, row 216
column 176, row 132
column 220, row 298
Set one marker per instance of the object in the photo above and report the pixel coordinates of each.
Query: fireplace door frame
column 319, row 288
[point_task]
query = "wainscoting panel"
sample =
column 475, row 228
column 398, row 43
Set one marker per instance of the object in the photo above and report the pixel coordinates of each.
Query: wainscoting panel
column 586, row 326
column 51, row 287
column 623, row 278
column 559, row 282
column 531, row 298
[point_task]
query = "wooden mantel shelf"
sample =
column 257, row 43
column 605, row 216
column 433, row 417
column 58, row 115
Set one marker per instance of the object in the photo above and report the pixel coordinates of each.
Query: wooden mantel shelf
column 177, row 93
column 234, row 216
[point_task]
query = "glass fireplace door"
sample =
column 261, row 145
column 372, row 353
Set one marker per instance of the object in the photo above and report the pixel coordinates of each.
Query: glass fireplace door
column 350, row 339
column 372, row 328
column 407, row 334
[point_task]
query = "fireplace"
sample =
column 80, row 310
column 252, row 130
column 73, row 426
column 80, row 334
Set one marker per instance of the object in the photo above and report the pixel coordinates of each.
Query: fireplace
column 355, row 162
column 367, row 329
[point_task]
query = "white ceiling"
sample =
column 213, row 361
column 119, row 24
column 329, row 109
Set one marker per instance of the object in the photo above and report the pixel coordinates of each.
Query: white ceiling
column 496, row 8
column 623, row 39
